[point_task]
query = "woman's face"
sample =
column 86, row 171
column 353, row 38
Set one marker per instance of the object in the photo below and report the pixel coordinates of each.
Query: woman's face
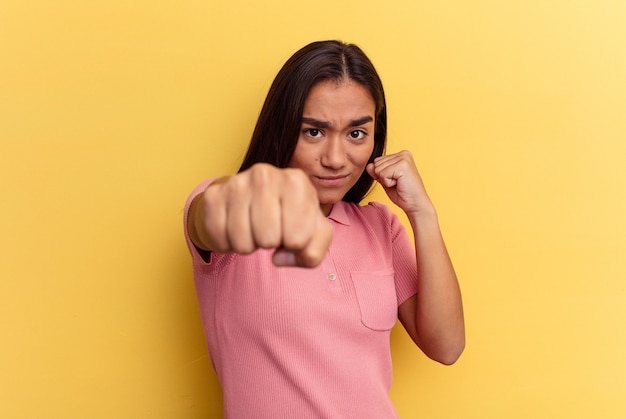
column 336, row 138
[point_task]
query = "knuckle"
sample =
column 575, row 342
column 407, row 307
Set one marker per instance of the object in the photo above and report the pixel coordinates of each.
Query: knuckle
column 209, row 196
column 262, row 175
column 237, row 184
column 260, row 172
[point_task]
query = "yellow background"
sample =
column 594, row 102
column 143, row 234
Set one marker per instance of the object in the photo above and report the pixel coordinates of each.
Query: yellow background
column 112, row 111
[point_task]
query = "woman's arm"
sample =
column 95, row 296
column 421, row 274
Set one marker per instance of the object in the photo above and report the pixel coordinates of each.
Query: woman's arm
column 434, row 317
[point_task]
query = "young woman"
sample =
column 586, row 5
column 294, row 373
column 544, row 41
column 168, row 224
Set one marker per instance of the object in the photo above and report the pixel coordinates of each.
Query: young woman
column 298, row 284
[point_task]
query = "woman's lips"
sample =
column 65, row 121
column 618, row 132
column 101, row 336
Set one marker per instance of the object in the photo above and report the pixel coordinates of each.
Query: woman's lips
column 331, row 180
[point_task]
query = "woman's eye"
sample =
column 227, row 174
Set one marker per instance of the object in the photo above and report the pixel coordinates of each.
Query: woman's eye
column 357, row 134
column 313, row 132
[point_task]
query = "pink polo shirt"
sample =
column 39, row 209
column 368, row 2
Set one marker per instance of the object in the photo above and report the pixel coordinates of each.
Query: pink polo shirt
column 309, row 343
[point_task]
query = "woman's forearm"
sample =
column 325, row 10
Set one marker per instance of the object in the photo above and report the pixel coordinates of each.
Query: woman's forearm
column 438, row 310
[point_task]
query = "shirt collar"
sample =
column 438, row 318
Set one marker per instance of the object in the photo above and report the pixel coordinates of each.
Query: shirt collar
column 338, row 213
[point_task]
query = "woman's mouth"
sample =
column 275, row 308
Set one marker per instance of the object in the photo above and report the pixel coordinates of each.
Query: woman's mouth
column 331, row 180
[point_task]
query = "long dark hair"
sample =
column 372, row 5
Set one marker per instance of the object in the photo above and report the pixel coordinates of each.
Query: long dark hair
column 276, row 133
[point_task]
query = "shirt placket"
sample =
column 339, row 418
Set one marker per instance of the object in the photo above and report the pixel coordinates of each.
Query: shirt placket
column 329, row 272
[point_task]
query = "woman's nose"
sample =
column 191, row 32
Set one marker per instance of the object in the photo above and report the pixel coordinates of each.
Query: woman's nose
column 334, row 154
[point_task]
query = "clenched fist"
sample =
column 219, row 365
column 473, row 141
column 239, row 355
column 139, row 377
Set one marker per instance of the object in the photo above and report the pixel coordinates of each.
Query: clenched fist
column 262, row 207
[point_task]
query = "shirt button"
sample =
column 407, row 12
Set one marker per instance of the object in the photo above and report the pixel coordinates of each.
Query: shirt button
column 332, row 277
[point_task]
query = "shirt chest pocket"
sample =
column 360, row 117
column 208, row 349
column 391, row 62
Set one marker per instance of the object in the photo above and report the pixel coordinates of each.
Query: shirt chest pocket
column 376, row 296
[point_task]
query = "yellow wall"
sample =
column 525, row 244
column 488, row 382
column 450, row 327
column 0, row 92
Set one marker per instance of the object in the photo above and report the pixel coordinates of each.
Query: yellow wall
column 111, row 111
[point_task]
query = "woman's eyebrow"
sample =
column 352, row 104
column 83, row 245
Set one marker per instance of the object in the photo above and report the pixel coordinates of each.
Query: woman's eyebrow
column 315, row 122
column 325, row 124
column 361, row 121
